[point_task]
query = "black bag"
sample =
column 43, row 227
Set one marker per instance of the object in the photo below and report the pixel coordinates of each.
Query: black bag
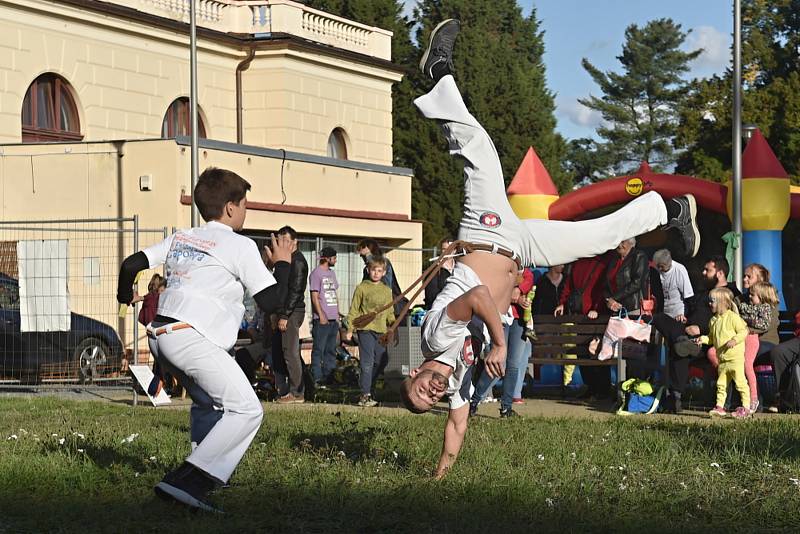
column 575, row 299
column 790, row 398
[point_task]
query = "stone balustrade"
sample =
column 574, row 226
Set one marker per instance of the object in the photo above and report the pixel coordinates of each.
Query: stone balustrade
column 260, row 17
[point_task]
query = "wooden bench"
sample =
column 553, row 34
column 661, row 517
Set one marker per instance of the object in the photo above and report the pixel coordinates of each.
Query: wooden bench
column 569, row 335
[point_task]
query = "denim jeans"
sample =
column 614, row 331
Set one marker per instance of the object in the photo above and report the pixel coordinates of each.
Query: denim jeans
column 323, row 352
column 372, row 359
column 519, row 352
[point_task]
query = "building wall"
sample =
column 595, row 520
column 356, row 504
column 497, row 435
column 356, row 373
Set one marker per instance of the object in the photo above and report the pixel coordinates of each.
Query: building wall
column 295, row 101
column 124, row 75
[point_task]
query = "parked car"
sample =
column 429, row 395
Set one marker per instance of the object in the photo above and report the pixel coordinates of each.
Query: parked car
column 88, row 348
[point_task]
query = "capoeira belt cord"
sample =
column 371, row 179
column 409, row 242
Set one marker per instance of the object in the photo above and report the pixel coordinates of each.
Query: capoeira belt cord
column 457, row 248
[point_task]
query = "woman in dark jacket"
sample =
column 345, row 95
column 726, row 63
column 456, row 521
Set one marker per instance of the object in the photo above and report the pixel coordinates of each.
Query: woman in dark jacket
column 627, row 278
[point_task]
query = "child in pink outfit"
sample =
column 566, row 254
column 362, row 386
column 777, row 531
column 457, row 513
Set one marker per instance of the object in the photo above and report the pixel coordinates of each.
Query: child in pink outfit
column 758, row 315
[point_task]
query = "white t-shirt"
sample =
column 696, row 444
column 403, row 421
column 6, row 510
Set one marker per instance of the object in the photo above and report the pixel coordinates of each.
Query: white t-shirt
column 677, row 288
column 208, row 269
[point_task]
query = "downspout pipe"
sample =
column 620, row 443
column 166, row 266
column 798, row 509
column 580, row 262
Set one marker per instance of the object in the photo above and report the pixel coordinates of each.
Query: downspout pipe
column 240, row 68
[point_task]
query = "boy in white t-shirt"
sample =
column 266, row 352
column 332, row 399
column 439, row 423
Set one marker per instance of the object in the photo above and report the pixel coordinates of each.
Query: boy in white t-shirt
column 208, row 269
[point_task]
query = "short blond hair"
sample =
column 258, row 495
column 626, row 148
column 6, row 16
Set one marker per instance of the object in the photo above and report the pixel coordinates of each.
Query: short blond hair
column 765, row 292
column 723, row 296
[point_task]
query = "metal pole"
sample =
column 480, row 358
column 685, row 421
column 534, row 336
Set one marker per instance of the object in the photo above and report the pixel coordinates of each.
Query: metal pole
column 737, row 140
column 135, row 311
column 195, row 220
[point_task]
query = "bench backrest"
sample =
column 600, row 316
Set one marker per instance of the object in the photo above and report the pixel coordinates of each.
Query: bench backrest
column 567, row 334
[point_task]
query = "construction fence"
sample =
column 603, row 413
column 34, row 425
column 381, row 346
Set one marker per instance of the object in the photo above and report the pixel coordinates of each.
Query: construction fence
column 60, row 324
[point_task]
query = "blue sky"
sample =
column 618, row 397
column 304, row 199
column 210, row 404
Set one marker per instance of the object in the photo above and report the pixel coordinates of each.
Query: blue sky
column 595, row 29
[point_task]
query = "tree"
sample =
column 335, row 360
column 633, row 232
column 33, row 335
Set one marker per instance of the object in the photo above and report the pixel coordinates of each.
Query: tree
column 640, row 104
column 499, row 69
column 587, row 162
column 770, row 98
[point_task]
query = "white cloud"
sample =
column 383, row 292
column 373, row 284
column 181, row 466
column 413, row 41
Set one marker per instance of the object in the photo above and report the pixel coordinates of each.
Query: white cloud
column 716, row 50
column 577, row 113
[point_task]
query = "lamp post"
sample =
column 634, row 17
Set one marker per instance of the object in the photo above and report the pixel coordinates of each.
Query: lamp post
column 736, row 207
column 193, row 105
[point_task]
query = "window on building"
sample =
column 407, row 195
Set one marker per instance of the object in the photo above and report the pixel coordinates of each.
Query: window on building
column 337, row 147
column 49, row 112
column 177, row 120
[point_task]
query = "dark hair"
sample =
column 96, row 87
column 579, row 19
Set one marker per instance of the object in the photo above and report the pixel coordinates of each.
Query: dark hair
column 371, row 244
column 215, row 188
column 720, row 264
column 405, row 396
column 287, row 230
column 444, row 240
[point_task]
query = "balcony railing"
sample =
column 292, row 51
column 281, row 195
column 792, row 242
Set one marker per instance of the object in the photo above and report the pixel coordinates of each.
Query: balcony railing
column 273, row 16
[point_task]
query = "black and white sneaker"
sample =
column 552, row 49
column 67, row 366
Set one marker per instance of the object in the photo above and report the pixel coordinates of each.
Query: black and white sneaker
column 190, row 486
column 507, row 413
column 682, row 214
column 437, row 61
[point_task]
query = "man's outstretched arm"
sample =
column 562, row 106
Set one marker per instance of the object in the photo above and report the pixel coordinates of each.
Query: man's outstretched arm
column 478, row 302
column 454, row 431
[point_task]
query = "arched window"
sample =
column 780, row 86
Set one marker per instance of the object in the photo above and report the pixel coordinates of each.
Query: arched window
column 49, row 112
column 337, row 145
column 177, row 120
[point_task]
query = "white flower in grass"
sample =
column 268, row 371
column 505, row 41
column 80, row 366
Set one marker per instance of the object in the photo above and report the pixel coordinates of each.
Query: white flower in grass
column 61, row 441
column 573, row 455
column 12, row 436
column 54, row 435
column 152, row 458
column 79, row 435
column 81, row 450
column 394, row 453
column 769, row 465
column 540, row 457
column 550, row 502
column 715, row 465
column 622, row 487
column 683, row 485
column 130, row 438
column 23, row 430
column 795, row 481
column 136, row 474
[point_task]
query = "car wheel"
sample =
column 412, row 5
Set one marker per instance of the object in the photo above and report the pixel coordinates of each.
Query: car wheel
column 90, row 353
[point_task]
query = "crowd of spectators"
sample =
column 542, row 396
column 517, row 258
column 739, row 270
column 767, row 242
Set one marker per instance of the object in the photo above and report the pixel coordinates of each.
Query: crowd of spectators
column 623, row 280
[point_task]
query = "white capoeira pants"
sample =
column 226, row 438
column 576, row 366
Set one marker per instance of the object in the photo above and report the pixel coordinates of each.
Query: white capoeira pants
column 488, row 217
column 226, row 414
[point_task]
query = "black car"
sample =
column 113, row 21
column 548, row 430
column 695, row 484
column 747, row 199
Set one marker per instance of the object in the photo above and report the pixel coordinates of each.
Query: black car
column 88, row 348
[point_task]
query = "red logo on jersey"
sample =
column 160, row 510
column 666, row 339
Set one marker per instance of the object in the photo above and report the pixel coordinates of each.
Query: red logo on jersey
column 468, row 355
column 490, row 219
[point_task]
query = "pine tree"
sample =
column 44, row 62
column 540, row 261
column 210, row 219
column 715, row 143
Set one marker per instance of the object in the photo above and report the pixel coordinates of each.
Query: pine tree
column 639, row 104
column 499, row 69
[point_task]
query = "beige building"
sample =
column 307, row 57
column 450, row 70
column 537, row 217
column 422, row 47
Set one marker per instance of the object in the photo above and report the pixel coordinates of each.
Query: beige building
column 94, row 117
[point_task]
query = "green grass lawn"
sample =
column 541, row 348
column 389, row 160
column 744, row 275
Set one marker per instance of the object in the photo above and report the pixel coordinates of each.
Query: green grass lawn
column 67, row 466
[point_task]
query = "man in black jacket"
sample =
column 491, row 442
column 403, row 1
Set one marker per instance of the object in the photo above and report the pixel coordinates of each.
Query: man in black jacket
column 291, row 313
column 680, row 336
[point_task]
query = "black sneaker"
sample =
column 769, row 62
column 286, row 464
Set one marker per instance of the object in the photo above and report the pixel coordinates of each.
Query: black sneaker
column 685, row 347
column 473, row 409
column 508, row 413
column 437, row 61
column 190, row 486
column 682, row 214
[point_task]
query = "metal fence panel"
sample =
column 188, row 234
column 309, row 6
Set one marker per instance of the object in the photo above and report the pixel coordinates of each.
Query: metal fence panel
column 46, row 340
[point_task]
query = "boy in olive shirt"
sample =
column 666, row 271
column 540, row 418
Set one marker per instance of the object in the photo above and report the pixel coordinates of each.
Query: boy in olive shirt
column 371, row 294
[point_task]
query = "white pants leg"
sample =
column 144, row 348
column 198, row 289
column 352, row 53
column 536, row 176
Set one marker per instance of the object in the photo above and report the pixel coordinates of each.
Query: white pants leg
column 488, row 217
column 211, row 374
